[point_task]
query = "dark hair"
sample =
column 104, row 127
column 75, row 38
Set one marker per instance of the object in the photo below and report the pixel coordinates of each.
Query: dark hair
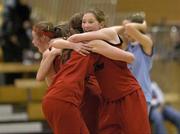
column 137, row 17
column 75, row 23
column 61, row 30
column 99, row 14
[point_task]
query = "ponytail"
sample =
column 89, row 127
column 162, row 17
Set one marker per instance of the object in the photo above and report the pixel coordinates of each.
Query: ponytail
column 49, row 30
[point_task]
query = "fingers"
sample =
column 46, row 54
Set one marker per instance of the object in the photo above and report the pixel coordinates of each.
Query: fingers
column 87, row 45
column 82, row 53
column 86, row 48
column 85, row 51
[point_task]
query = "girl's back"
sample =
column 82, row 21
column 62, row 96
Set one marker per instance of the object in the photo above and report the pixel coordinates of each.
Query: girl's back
column 114, row 77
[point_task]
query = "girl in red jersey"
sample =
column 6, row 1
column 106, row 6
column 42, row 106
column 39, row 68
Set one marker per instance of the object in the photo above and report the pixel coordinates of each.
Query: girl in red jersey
column 124, row 110
column 42, row 33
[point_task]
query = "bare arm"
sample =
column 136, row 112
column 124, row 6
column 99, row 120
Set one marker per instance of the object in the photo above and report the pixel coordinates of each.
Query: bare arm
column 143, row 39
column 65, row 44
column 139, row 26
column 118, row 29
column 102, row 34
column 61, row 44
column 111, row 52
column 109, row 34
column 46, row 67
column 50, row 76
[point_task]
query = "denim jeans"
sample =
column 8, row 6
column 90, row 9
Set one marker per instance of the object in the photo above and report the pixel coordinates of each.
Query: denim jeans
column 168, row 114
column 173, row 116
column 148, row 107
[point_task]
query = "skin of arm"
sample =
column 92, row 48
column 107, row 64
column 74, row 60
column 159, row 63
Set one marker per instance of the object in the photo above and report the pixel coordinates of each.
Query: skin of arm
column 102, row 34
column 114, row 53
column 61, row 44
column 108, row 34
column 50, row 75
column 139, row 26
column 46, row 69
column 118, row 29
column 65, row 44
column 132, row 29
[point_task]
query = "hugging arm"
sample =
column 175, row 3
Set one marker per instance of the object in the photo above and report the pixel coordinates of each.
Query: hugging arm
column 46, row 70
column 102, row 34
column 65, row 44
column 114, row 53
column 133, row 30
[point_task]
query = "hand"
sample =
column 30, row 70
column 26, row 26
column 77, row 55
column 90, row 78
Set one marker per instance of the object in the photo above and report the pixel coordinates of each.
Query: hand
column 54, row 52
column 82, row 48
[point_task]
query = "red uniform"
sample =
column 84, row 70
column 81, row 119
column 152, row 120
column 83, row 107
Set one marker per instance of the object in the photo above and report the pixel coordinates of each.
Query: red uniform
column 90, row 104
column 62, row 102
column 124, row 109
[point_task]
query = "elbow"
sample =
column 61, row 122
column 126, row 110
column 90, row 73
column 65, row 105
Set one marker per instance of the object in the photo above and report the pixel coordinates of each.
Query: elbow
column 151, row 43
